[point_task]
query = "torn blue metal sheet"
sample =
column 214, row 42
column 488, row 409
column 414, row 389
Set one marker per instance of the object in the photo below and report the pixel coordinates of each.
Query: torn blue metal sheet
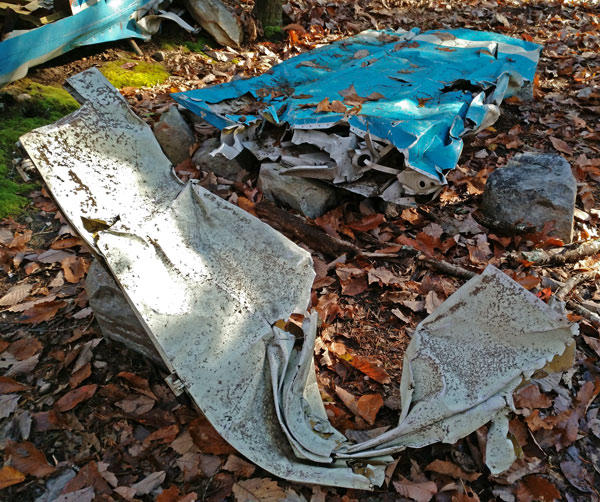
column 421, row 92
column 104, row 21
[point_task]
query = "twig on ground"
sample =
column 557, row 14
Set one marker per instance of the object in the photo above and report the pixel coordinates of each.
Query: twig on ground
column 574, row 281
column 583, row 312
column 447, row 268
column 560, row 256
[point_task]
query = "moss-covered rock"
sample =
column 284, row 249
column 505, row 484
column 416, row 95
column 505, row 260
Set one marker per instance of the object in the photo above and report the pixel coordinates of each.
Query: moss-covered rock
column 25, row 105
column 131, row 73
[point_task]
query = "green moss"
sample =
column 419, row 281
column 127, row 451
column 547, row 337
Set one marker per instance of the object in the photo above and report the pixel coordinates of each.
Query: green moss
column 143, row 74
column 178, row 42
column 273, row 32
column 26, row 105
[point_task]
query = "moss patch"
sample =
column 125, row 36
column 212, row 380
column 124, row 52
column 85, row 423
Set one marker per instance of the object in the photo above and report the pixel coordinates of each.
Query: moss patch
column 273, row 32
column 26, row 105
column 143, row 74
column 177, row 41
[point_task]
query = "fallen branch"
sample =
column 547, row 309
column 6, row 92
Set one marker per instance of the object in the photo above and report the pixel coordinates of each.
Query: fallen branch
column 296, row 229
column 562, row 293
column 560, row 256
column 583, row 312
column 447, row 268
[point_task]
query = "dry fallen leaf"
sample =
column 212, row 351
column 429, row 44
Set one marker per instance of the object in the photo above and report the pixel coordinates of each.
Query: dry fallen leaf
column 137, row 383
column 207, row 439
column 16, row 294
column 41, row 312
column 531, row 397
column 10, row 476
column 258, row 490
column 88, row 476
column 420, row 492
column 8, row 384
column 149, row 483
column 452, row 470
column 74, row 397
column 8, row 404
column 27, row 459
column 561, row 145
column 74, row 268
column 239, row 467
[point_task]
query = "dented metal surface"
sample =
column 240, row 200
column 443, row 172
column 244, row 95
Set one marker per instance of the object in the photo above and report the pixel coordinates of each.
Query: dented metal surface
column 213, row 287
column 181, row 256
column 403, row 102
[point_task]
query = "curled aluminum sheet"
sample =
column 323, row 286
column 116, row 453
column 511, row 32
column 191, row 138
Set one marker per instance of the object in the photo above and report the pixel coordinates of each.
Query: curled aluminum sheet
column 211, row 286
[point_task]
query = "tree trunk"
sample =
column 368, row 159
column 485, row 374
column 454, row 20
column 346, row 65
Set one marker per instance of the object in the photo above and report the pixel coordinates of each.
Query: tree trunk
column 268, row 12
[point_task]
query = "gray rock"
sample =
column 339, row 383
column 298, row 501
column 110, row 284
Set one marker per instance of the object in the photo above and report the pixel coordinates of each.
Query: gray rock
column 219, row 164
column 308, row 196
column 531, row 190
column 158, row 56
column 174, row 135
column 114, row 315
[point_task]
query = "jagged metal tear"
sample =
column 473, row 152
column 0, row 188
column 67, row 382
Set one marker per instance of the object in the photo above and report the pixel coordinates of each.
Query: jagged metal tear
column 209, row 283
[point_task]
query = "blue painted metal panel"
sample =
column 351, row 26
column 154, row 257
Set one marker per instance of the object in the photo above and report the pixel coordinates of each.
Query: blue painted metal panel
column 105, row 21
column 420, row 113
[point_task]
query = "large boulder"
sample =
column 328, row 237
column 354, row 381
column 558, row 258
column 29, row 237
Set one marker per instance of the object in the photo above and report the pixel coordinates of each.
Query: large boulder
column 218, row 164
column 531, row 190
column 308, row 196
column 114, row 315
column 174, row 135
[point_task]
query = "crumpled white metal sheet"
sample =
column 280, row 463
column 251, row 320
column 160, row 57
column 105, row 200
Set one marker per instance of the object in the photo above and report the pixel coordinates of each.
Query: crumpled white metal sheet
column 210, row 282
column 207, row 280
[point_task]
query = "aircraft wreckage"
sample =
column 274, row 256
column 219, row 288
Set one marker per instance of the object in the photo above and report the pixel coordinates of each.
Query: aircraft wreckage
column 381, row 114
column 213, row 307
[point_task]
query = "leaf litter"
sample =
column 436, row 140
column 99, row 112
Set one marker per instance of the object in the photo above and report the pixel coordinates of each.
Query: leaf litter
column 370, row 308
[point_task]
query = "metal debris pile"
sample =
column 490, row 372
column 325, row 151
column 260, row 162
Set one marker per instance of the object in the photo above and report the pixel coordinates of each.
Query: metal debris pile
column 382, row 114
column 218, row 312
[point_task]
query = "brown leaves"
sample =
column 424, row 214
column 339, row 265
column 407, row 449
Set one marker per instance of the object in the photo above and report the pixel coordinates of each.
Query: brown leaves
column 452, row 470
column 258, row 490
column 8, row 384
column 74, row 397
column 534, row 488
column 207, row 439
column 334, row 106
column 420, row 492
column 10, row 476
column 561, row 145
column 41, row 312
column 88, row 476
column 531, row 397
column 366, row 406
column 239, row 467
column 367, row 365
column 74, row 268
column 27, row 459
column 351, row 97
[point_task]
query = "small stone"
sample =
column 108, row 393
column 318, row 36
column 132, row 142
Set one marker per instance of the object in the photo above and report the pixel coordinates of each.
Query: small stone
column 174, row 135
column 158, row 56
column 531, row 190
column 114, row 315
column 218, row 164
column 308, row 196
column 23, row 97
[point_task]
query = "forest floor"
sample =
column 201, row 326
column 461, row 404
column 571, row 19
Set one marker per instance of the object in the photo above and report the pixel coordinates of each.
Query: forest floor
column 87, row 418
